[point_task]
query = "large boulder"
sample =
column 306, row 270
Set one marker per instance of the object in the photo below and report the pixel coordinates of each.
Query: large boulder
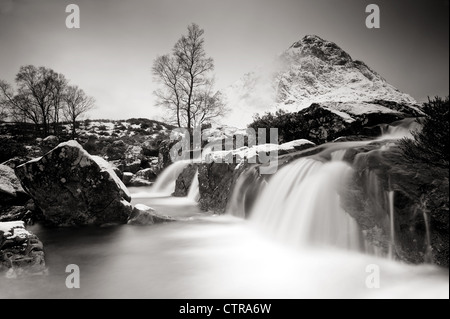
column 72, row 187
column 21, row 252
column 11, row 191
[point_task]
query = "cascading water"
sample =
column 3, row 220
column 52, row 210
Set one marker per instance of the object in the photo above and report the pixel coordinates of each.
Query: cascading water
column 194, row 191
column 165, row 183
column 391, row 223
column 301, row 205
column 400, row 129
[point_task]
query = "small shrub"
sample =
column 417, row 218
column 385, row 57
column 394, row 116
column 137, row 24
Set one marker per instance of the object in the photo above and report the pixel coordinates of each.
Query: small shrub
column 430, row 144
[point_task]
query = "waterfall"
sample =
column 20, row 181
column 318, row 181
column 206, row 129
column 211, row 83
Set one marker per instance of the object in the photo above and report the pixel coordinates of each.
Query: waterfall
column 428, row 250
column 247, row 188
column 391, row 223
column 301, row 205
column 165, row 183
column 194, row 191
column 400, row 129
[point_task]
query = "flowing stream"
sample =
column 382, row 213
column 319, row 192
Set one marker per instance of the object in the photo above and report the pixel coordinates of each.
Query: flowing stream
column 297, row 243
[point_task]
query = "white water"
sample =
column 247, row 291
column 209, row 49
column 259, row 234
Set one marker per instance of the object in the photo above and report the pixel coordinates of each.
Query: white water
column 301, row 206
column 194, row 191
column 391, row 223
column 400, row 129
column 165, row 183
column 201, row 256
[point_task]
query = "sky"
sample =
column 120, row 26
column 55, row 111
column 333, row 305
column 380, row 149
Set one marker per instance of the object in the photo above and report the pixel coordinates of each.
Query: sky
column 111, row 54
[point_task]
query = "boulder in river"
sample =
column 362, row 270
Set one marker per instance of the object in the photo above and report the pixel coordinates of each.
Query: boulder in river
column 21, row 252
column 72, row 187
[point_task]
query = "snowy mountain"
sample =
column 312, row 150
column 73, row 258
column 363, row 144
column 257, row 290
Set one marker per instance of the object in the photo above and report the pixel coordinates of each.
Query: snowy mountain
column 312, row 70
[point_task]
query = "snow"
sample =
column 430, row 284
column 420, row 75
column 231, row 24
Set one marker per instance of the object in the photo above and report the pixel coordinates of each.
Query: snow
column 9, row 183
column 142, row 207
column 106, row 166
column 296, row 143
column 250, row 152
column 19, row 229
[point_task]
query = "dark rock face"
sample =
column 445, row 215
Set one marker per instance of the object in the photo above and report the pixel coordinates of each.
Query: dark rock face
column 144, row 215
column 184, row 181
column 321, row 123
column 216, row 182
column 21, row 252
column 419, row 190
column 164, row 158
column 72, row 188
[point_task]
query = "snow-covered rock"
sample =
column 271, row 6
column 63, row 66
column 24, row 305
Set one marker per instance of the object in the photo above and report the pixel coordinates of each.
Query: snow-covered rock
column 21, row 252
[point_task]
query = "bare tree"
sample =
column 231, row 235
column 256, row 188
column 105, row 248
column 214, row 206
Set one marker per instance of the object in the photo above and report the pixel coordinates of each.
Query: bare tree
column 37, row 86
column 185, row 77
column 58, row 91
column 19, row 106
column 168, row 71
column 76, row 103
column 42, row 96
column 207, row 106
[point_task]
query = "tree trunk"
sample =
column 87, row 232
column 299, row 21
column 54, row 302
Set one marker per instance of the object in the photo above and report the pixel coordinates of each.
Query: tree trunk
column 178, row 115
column 73, row 129
column 191, row 88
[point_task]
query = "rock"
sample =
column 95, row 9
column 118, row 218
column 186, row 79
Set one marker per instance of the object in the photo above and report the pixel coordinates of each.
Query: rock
column 184, row 181
column 132, row 167
column 147, row 174
column 21, row 252
column 116, row 150
column 108, row 165
column 11, row 191
column 139, row 181
column 164, row 158
column 15, row 213
column 418, row 189
column 49, row 143
column 16, row 161
column 72, row 187
column 215, row 185
column 144, row 177
column 144, row 215
column 127, row 176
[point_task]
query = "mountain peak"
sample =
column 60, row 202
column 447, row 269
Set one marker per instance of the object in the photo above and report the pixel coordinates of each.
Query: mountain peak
column 312, row 70
column 325, row 50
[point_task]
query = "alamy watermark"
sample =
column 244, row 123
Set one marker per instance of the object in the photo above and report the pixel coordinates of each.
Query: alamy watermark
column 257, row 148
column 73, row 279
column 373, row 279
column 373, row 19
column 73, row 19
